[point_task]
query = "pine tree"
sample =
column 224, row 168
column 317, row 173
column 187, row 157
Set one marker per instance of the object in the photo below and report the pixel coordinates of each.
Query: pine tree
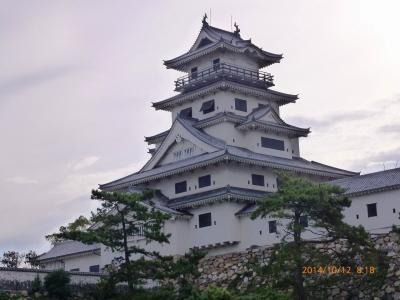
column 301, row 208
column 120, row 218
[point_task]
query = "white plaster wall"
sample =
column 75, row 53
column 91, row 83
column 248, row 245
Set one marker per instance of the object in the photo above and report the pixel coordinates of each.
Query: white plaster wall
column 225, row 226
column 221, row 176
column 231, row 58
column 224, row 101
column 249, row 139
column 386, row 202
column 82, row 262
column 25, row 275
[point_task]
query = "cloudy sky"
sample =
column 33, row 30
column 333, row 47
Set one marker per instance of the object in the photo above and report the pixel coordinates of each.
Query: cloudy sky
column 77, row 79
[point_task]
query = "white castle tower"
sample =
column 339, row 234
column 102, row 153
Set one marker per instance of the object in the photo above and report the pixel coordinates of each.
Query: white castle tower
column 226, row 141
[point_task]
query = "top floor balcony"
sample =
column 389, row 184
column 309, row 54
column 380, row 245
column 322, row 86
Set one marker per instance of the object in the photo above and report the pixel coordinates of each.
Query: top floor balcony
column 220, row 71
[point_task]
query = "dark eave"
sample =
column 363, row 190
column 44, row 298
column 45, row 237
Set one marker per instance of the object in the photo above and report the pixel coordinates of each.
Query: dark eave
column 223, row 85
column 229, row 154
column 264, row 58
column 220, row 194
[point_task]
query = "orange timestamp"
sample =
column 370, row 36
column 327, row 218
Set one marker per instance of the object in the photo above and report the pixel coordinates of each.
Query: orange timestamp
column 338, row 270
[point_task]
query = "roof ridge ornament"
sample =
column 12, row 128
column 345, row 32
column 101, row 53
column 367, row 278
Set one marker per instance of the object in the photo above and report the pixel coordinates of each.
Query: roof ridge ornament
column 237, row 30
column 205, row 20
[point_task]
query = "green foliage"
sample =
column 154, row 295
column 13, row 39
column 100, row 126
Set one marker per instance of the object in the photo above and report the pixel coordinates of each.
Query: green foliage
column 57, row 285
column 31, row 259
column 216, row 293
column 37, row 286
column 323, row 206
column 8, row 296
column 265, row 293
column 12, row 259
column 120, row 217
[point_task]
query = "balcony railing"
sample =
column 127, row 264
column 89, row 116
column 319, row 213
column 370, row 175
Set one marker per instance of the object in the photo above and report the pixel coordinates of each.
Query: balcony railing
column 223, row 71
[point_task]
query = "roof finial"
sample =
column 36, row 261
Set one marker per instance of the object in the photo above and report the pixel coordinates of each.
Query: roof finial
column 205, row 20
column 237, row 30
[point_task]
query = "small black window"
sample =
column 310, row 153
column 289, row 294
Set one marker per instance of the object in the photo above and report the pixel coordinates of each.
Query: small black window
column 304, row 221
column 272, row 143
column 260, row 105
column 180, row 187
column 241, row 105
column 216, row 64
column 74, row 270
column 186, row 113
column 204, row 181
column 272, row 226
column 394, row 210
column 371, row 209
column 208, row 106
column 94, row 269
column 257, row 180
column 193, row 73
column 357, row 216
column 205, row 220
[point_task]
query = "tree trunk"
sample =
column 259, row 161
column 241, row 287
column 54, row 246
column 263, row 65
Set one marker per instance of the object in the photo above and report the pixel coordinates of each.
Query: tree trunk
column 126, row 252
column 300, row 293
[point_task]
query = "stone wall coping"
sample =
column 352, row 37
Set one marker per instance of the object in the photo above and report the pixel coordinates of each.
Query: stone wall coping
column 29, row 270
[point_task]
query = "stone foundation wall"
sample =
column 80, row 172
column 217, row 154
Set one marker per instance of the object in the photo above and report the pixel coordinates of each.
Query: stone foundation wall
column 234, row 270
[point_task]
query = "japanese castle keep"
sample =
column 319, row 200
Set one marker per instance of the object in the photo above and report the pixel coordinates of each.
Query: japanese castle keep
column 221, row 154
column 226, row 140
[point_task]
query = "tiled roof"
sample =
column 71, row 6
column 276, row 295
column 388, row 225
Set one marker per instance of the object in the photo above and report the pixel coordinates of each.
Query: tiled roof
column 69, row 248
column 228, row 192
column 370, row 183
column 267, row 94
column 246, row 210
column 230, row 153
column 223, row 39
column 253, row 120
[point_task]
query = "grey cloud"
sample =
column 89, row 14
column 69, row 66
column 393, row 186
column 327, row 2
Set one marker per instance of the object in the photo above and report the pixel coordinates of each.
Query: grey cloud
column 378, row 161
column 331, row 120
column 34, row 78
column 390, row 128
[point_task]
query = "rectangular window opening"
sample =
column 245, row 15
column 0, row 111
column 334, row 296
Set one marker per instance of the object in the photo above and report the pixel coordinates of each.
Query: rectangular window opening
column 204, row 220
column 272, row 143
column 180, row 187
column 204, row 181
column 94, row 269
column 241, row 105
column 208, row 106
column 272, row 226
column 257, row 180
column 371, row 210
column 216, row 64
column 193, row 73
column 186, row 113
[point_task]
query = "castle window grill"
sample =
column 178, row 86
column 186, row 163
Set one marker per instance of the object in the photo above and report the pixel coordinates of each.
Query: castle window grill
column 257, row 180
column 272, row 143
column 272, row 226
column 180, row 187
column 208, row 106
column 186, row 113
column 193, row 73
column 204, row 181
column 241, row 105
column 216, row 64
column 205, row 220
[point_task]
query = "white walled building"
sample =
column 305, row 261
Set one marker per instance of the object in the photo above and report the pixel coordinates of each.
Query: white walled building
column 220, row 155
